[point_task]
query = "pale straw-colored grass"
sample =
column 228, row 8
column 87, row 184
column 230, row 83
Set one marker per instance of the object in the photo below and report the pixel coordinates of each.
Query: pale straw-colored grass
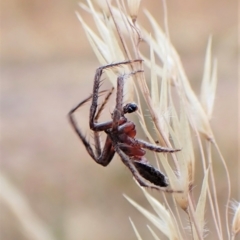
column 176, row 114
column 236, row 220
column 31, row 225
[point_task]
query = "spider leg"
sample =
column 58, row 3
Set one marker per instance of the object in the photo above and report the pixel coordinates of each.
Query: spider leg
column 103, row 104
column 103, row 156
column 93, row 109
column 155, row 148
column 119, row 111
column 71, row 112
column 78, row 131
column 96, row 133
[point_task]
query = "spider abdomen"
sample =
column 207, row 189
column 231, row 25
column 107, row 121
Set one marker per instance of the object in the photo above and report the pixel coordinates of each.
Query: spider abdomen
column 152, row 174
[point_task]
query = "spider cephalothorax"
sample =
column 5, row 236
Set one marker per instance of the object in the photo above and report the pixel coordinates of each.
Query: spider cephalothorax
column 120, row 135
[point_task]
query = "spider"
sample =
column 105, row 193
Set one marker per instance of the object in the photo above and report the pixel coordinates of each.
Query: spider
column 120, row 133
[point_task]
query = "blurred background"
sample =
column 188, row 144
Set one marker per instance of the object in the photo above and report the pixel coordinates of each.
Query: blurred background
column 47, row 67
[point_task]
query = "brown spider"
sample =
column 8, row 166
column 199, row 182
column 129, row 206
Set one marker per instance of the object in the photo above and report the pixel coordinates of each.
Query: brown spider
column 120, row 134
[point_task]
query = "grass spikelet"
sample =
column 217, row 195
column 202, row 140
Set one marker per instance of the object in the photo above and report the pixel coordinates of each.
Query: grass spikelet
column 135, row 229
column 163, row 221
column 209, row 82
column 200, row 209
column 236, row 221
column 133, row 6
column 103, row 5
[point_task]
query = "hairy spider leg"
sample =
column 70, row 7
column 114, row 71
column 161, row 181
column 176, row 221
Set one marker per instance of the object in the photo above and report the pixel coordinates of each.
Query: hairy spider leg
column 155, row 148
column 108, row 150
column 103, row 104
column 96, row 85
column 97, row 140
column 119, row 110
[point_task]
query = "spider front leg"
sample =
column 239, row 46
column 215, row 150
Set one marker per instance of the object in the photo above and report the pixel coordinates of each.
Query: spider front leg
column 119, row 110
column 93, row 109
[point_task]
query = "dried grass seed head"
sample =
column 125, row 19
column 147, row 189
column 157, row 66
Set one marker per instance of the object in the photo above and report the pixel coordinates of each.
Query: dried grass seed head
column 236, row 219
column 133, row 6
